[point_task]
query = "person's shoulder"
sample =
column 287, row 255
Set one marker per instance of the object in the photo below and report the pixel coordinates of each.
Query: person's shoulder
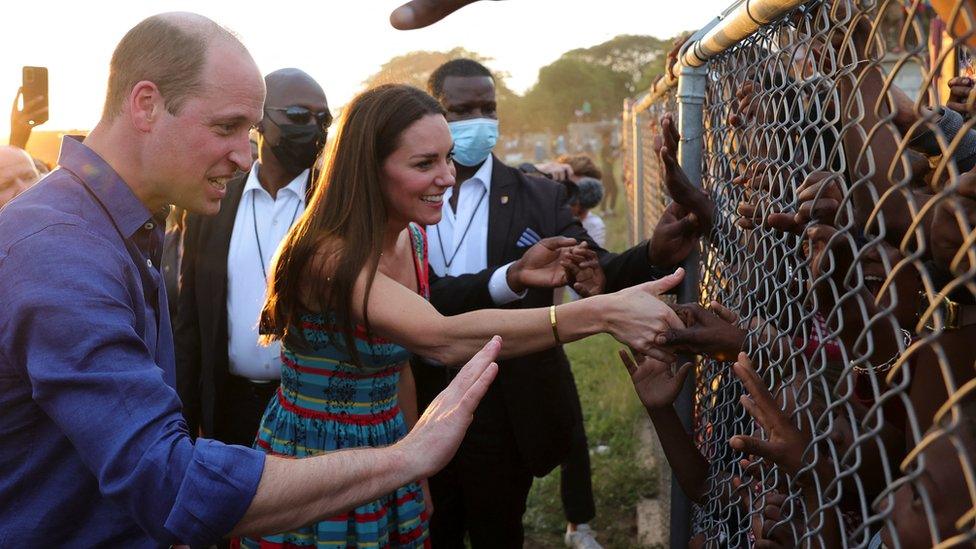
column 531, row 183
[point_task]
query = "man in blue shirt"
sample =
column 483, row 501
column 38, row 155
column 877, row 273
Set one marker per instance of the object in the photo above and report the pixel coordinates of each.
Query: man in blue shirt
column 95, row 451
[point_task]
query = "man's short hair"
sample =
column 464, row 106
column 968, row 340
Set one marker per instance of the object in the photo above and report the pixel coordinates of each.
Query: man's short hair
column 454, row 67
column 162, row 51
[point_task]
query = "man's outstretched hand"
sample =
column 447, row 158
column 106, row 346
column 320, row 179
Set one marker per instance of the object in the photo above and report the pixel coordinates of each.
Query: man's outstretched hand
column 437, row 434
column 542, row 265
column 421, row 13
column 687, row 218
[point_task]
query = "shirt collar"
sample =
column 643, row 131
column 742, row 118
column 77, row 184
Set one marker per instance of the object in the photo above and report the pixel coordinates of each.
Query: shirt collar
column 127, row 212
column 296, row 185
column 483, row 175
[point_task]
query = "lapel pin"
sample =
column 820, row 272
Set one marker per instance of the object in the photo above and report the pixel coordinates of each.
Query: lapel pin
column 505, row 199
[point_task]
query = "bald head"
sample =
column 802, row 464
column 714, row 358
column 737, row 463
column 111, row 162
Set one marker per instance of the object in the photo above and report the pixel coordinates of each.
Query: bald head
column 171, row 51
column 17, row 172
column 294, row 103
column 291, row 86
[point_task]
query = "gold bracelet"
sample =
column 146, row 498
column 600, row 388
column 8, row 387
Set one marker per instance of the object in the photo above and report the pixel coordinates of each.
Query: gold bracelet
column 552, row 321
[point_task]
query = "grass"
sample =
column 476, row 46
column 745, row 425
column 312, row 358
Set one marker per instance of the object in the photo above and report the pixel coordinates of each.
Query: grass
column 611, row 415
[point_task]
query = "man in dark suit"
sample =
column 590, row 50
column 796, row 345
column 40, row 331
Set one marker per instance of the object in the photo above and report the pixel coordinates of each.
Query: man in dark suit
column 523, row 426
column 224, row 378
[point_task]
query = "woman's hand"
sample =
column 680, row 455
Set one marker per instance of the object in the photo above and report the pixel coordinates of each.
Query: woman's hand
column 635, row 316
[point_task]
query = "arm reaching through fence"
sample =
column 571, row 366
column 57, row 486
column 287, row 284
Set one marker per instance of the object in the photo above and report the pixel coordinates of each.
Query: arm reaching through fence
column 686, row 219
column 787, row 446
column 657, row 386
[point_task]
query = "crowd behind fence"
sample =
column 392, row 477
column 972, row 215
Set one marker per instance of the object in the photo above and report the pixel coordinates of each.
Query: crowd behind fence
column 838, row 148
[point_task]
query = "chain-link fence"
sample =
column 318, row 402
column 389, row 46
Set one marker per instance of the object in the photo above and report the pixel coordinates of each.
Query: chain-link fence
column 642, row 167
column 838, row 148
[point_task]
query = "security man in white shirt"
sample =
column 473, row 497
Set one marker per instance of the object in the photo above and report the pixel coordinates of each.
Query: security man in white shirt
column 224, row 377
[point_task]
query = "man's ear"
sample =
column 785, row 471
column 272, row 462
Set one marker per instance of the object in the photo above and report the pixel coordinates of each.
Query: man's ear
column 145, row 105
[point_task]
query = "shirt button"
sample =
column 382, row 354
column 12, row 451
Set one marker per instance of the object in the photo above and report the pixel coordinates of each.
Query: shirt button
column 149, row 263
column 274, row 221
column 149, row 226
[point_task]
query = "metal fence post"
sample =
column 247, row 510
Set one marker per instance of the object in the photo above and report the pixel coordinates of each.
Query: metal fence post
column 691, row 98
column 638, row 173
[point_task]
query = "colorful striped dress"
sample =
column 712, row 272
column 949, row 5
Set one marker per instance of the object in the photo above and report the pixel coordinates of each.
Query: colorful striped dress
column 327, row 403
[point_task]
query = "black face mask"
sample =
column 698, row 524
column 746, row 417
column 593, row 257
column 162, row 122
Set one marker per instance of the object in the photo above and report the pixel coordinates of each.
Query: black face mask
column 298, row 146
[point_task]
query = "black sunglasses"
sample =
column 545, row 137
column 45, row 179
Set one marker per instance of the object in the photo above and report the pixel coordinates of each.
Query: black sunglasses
column 301, row 115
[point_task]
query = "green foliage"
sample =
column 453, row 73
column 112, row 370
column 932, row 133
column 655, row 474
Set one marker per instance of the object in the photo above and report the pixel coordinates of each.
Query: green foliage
column 564, row 85
column 636, row 56
column 603, row 75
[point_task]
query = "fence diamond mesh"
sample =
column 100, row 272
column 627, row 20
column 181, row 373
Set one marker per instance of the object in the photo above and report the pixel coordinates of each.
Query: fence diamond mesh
column 839, row 151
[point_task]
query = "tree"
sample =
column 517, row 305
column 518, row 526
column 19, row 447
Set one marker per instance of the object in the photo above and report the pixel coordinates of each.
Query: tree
column 565, row 85
column 602, row 75
column 637, row 56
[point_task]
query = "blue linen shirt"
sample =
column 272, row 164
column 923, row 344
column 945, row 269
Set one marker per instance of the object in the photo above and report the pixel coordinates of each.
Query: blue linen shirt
column 93, row 447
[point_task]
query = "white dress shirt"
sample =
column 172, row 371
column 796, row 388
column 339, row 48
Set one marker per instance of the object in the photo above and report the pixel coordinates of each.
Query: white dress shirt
column 246, row 283
column 596, row 228
column 458, row 244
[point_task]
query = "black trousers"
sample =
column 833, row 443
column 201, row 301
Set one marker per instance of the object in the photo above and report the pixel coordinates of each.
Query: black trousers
column 482, row 491
column 238, row 414
column 575, row 482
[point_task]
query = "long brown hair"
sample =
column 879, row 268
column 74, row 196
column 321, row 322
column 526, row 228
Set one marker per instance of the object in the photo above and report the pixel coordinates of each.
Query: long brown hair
column 343, row 226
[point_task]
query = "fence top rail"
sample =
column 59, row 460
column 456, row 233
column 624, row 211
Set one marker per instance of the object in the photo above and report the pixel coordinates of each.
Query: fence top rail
column 738, row 23
column 669, row 80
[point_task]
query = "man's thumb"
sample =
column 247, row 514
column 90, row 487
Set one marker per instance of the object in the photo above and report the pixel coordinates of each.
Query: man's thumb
column 556, row 242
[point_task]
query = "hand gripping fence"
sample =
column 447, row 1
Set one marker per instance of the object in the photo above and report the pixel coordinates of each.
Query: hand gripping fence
column 836, row 139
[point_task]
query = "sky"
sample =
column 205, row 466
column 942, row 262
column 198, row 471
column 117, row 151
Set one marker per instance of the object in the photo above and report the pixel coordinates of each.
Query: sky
column 339, row 42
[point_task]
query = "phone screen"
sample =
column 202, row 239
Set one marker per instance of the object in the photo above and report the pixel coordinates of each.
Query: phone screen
column 35, row 93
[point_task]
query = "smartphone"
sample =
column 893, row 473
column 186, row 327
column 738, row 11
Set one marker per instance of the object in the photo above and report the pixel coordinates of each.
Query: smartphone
column 34, row 86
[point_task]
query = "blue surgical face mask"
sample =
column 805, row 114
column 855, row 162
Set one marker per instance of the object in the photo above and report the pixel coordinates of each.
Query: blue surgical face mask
column 473, row 140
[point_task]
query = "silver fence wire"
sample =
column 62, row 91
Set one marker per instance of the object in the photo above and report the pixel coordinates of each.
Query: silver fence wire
column 839, row 151
column 642, row 167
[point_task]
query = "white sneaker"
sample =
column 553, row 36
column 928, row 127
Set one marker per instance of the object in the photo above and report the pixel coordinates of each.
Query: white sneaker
column 583, row 538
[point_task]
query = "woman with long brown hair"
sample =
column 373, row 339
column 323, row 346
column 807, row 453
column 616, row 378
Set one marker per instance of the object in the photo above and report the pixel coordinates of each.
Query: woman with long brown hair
column 348, row 300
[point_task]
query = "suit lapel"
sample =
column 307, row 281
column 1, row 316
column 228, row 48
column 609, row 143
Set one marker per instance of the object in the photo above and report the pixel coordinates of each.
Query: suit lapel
column 220, row 233
column 501, row 212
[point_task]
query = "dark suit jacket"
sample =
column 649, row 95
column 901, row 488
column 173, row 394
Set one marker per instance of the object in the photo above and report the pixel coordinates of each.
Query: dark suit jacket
column 202, row 361
column 536, row 389
column 201, row 325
